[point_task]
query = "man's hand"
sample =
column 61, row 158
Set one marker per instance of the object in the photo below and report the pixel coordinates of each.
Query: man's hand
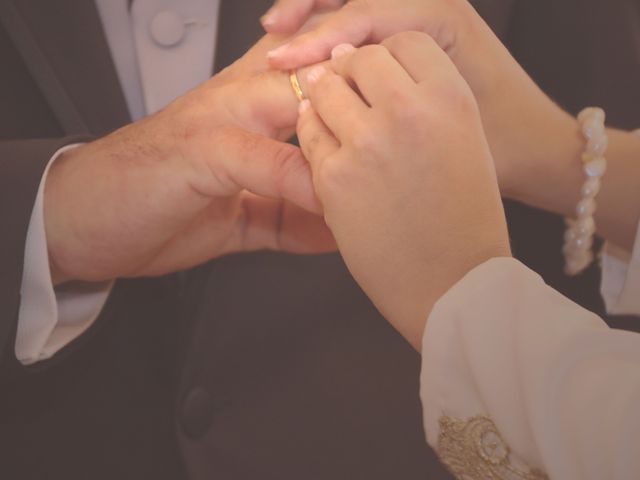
column 201, row 178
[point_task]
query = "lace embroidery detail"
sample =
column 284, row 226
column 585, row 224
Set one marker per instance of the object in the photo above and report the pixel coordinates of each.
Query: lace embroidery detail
column 473, row 449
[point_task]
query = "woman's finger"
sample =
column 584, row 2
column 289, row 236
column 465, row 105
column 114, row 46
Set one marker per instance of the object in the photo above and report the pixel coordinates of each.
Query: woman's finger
column 338, row 105
column 347, row 25
column 287, row 16
column 374, row 71
column 316, row 140
column 419, row 55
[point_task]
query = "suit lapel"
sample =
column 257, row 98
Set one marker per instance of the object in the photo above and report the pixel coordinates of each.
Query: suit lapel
column 70, row 36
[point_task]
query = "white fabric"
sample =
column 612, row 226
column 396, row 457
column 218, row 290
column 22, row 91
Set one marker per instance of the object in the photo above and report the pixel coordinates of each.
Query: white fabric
column 152, row 76
column 50, row 319
column 562, row 388
column 621, row 279
column 116, row 22
column 47, row 321
column 182, row 66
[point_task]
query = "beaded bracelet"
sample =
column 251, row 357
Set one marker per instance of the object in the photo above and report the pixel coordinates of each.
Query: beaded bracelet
column 578, row 239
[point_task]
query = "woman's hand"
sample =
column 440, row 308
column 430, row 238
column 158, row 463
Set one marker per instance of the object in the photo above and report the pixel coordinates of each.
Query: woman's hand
column 536, row 146
column 534, row 143
column 404, row 173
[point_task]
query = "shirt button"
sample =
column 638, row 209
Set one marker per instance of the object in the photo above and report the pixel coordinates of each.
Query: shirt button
column 167, row 28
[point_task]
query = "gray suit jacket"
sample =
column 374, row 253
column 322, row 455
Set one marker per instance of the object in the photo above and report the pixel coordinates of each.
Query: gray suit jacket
column 254, row 366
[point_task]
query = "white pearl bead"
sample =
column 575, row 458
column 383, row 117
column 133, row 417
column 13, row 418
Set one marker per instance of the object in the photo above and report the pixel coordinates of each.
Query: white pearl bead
column 595, row 168
column 578, row 247
column 581, row 256
column 585, row 208
column 584, row 114
column 569, row 235
column 585, row 227
column 599, row 114
column 592, row 112
column 592, row 127
column 591, row 187
column 568, row 251
column 597, row 145
column 582, row 243
column 577, row 264
column 579, row 235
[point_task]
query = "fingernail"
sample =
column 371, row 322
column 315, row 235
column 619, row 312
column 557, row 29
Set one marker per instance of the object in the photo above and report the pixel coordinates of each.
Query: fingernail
column 304, row 106
column 277, row 51
column 270, row 18
column 341, row 50
column 315, row 74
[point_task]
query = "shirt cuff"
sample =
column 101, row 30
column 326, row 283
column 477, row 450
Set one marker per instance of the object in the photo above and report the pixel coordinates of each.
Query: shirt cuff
column 621, row 279
column 50, row 318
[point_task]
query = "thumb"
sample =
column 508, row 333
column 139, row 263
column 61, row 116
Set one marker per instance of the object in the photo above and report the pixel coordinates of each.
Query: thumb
column 265, row 167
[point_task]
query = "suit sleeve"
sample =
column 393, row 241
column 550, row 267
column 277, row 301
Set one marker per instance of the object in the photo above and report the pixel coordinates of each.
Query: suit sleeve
column 50, row 318
column 22, row 165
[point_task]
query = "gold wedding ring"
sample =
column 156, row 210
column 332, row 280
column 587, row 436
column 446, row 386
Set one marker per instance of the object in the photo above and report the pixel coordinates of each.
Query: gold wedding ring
column 295, row 84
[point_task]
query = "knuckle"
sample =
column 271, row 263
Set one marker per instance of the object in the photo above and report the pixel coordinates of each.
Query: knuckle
column 404, row 105
column 311, row 144
column 404, row 40
column 411, row 120
column 365, row 140
column 327, row 81
column 326, row 88
column 333, row 177
column 454, row 95
column 374, row 51
column 370, row 145
column 362, row 58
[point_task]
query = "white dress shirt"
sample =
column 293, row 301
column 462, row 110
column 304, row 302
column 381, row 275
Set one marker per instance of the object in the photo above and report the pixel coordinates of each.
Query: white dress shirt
column 516, row 377
column 161, row 49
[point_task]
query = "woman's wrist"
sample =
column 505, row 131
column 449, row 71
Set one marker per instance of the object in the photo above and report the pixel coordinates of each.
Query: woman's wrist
column 540, row 164
column 410, row 318
column 543, row 168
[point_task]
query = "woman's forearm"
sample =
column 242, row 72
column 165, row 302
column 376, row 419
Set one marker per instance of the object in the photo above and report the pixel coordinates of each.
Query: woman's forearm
column 555, row 177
